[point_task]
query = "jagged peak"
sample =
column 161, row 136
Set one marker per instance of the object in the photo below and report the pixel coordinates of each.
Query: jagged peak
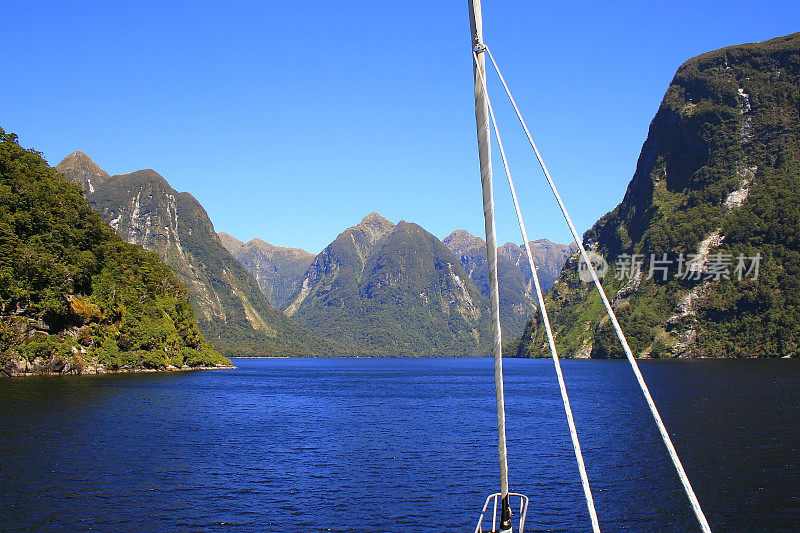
column 547, row 243
column 229, row 241
column 148, row 175
column 409, row 226
column 509, row 246
column 79, row 168
column 374, row 226
column 78, row 157
column 460, row 234
column 264, row 245
column 375, row 219
column 260, row 243
column 462, row 240
column 229, row 236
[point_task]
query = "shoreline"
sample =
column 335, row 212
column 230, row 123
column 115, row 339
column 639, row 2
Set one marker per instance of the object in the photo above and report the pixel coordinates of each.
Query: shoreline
column 100, row 369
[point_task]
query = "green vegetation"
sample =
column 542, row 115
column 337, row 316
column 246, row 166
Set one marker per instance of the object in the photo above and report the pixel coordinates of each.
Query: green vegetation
column 388, row 290
column 730, row 121
column 71, row 291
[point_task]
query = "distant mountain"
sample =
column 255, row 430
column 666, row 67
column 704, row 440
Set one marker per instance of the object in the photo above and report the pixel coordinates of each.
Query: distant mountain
column 704, row 248
column 549, row 258
column 392, row 290
column 73, row 296
column 233, row 314
column 517, row 294
column 278, row 271
column 517, row 301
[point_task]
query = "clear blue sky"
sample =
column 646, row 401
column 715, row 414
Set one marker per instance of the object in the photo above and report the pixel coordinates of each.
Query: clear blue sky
column 290, row 121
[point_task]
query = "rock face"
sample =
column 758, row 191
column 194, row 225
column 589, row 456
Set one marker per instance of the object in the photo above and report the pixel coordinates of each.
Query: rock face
column 517, row 293
column 234, row 315
column 279, row 271
column 392, row 290
column 549, row 258
column 704, row 247
column 517, row 299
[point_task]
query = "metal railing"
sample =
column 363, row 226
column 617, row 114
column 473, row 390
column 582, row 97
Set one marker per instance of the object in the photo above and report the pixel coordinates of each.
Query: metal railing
column 495, row 499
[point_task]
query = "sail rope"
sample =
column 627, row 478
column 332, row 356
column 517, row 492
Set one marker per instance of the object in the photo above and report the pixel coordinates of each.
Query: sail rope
column 612, row 316
column 540, row 297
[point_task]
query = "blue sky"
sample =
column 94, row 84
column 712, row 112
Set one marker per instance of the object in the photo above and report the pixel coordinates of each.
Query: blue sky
column 290, row 121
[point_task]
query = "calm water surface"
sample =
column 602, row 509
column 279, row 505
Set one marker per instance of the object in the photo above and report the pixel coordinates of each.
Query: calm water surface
column 396, row 445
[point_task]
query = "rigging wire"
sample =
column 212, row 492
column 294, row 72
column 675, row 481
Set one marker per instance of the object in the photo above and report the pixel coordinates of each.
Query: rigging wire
column 562, row 386
column 698, row 511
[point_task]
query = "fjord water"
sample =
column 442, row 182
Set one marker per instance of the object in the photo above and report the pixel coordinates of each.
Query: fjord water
column 396, row 445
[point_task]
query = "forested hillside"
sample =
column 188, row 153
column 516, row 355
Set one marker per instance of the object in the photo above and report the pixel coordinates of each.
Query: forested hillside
column 703, row 250
column 74, row 296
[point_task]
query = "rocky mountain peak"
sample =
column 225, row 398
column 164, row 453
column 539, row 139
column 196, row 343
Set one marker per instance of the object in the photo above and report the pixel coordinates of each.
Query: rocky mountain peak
column 148, row 174
column 392, row 290
column 375, row 226
column 461, row 240
column 267, row 247
column 230, row 242
column 375, row 219
column 508, row 246
column 79, row 168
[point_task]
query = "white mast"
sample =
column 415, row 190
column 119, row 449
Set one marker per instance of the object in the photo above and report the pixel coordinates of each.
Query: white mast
column 485, row 155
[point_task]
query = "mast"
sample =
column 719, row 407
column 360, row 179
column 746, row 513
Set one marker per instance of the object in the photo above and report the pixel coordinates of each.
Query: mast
column 485, row 155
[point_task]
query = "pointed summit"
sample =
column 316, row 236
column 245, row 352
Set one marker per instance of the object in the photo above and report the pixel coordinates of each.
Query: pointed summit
column 392, row 290
column 461, row 240
column 374, row 219
column 79, row 168
column 231, row 243
column 375, row 226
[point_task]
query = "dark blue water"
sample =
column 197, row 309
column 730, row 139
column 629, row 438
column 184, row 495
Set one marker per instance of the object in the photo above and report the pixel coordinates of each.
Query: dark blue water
column 396, row 445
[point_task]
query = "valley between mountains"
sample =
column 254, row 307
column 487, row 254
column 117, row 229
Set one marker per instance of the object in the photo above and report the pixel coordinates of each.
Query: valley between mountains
column 712, row 209
column 380, row 289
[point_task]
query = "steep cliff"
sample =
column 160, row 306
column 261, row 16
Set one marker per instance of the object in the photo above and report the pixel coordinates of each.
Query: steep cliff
column 703, row 249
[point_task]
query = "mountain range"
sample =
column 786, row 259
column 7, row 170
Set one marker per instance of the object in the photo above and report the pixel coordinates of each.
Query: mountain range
column 392, row 289
column 703, row 254
column 704, row 248
column 281, row 271
column 233, row 313
column 517, row 293
column 379, row 289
